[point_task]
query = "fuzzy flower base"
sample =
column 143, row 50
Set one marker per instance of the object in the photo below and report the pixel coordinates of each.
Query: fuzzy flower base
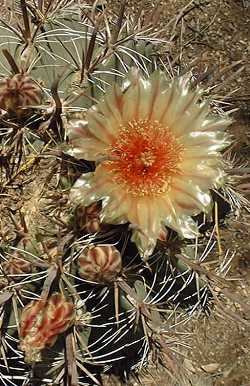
column 157, row 152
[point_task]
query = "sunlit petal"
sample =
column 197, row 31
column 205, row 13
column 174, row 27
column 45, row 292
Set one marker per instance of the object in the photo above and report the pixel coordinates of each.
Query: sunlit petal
column 146, row 216
column 83, row 143
column 189, row 197
column 112, row 106
column 99, row 126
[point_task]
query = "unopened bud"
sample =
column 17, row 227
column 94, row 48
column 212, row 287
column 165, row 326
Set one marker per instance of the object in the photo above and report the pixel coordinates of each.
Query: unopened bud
column 41, row 323
column 100, row 263
column 17, row 93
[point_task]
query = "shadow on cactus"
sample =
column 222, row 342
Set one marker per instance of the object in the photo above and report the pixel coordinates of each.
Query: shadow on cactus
column 114, row 170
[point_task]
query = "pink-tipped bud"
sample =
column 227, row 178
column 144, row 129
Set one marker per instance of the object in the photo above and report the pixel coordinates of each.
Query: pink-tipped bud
column 163, row 235
column 41, row 323
column 100, row 263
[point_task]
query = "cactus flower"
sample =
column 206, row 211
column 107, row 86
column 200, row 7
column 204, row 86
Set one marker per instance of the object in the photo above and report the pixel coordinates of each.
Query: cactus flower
column 100, row 263
column 157, row 153
column 41, row 323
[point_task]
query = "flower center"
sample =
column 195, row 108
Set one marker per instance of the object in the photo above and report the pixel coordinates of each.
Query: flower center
column 144, row 157
column 147, row 158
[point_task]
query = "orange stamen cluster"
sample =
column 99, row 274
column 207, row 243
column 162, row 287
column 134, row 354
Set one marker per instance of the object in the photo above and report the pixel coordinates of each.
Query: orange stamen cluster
column 144, row 156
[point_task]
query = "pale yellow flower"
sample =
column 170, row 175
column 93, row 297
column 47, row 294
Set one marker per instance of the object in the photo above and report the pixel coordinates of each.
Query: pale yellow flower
column 157, row 152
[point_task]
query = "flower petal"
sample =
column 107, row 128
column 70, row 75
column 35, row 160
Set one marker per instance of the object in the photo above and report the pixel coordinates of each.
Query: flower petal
column 83, row 143
column 145, row 214
column 100, row 127
column 144, row 244
column 179, row 102
column 80, row 192
column 200, row 154
column 190, row 198
column 136, row 100
column 207, row 174
column 215, row 123
column 185, row 226
column 210, row 141
column 115, row 210
column 190, row 118
column 176, row 219
column 112, row 105
column 91, row 187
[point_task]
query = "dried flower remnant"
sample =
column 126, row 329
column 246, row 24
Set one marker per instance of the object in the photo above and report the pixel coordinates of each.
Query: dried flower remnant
column 88, row 218
column 93, row 221
column 100, row 263
column 16, row 267
column 157, row 152
column 41, row 323
column 17, row 93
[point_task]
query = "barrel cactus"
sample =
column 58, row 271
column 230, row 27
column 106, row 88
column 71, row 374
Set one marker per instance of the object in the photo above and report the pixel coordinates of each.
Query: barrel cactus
column 114, row 169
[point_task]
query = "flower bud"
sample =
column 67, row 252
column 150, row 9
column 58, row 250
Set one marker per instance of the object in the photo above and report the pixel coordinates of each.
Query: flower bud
column 100, row 263
column 163, row 235
column 41, row 323
column 18, row 92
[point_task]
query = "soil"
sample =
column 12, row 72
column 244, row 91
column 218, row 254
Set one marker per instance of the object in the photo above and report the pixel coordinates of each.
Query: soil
column 213, row 38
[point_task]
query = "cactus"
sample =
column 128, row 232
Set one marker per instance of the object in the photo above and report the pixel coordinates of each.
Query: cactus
column 90, row 287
